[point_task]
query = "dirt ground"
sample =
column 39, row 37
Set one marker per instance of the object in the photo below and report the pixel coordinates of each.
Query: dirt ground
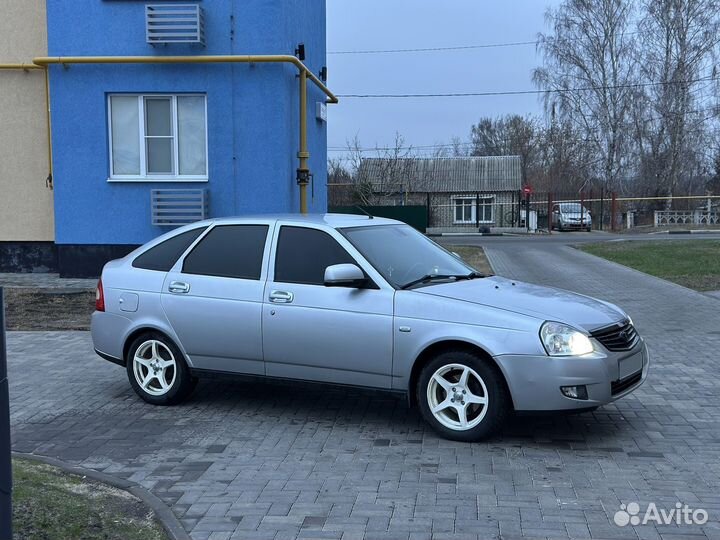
column 48, row 309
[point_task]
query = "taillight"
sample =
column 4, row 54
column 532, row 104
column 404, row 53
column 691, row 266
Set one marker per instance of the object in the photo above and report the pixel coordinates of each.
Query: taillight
column 99, row 297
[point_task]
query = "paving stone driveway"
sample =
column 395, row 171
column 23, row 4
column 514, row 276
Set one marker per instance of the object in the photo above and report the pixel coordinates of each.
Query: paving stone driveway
column 296, row 461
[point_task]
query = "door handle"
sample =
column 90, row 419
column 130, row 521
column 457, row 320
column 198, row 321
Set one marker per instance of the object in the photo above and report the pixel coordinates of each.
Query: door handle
column 281, row 297
column 179, row 287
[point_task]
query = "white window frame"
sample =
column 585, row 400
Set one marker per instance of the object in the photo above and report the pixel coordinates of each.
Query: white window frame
column 473, row 208
column 460, row 198
column 144, row 176
column 491, row 198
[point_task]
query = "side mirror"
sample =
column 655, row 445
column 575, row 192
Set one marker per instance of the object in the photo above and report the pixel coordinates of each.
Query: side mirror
column 344, row 275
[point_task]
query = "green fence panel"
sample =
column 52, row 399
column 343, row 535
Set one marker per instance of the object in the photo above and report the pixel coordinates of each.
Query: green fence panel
column 414, row 215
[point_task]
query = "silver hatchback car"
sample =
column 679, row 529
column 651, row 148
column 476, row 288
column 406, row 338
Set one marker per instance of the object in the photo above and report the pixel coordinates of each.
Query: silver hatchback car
column 361, row 301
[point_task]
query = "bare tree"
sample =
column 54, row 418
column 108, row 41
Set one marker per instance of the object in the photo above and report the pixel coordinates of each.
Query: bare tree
column 565, row 160
column 511, row 135
column 589, row 72
column 678, row 41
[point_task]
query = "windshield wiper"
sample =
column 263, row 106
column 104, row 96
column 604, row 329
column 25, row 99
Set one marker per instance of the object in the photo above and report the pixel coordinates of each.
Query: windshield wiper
column 438, row 277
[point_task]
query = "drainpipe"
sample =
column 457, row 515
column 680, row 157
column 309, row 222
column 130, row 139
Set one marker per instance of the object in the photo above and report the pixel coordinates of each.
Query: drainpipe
column 26, row 68
column 303, row 173
column 49, row 179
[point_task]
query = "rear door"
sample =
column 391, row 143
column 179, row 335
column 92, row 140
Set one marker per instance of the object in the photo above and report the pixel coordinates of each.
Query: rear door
column 332, row 334
column 213, row 298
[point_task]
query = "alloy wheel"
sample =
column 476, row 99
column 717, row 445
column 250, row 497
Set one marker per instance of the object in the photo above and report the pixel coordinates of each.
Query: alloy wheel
column 457, row 397
column 154, row 367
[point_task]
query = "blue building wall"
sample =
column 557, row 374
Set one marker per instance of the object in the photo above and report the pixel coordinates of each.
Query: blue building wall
column 252, row 111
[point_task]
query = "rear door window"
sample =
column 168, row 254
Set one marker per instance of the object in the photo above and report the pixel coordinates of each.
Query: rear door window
column 303, row 254
column 234, row 251
column 163, row 256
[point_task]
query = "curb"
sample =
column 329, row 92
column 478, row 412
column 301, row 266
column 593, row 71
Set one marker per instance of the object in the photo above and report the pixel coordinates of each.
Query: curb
column 466, row 234
column 690, row 231
column 164, row 515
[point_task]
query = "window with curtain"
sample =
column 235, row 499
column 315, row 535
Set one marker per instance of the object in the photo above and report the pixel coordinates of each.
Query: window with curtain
column 158, row 137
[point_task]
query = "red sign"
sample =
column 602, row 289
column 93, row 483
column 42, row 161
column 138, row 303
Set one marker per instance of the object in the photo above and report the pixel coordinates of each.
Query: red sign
column 527, row 190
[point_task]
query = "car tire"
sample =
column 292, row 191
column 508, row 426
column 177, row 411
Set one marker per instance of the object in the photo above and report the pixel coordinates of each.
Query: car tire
column 157, row 370
column 476, row 383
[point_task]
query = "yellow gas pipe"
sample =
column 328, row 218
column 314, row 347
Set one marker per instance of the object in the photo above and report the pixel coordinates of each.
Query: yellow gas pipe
column 42, row 62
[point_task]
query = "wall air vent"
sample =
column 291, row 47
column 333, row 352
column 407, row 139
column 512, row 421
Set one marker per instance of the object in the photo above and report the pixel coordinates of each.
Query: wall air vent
column 174, row 23
column 174, row 207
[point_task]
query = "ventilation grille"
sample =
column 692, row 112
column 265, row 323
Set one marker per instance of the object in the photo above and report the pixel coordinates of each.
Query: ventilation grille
column 174, row 23
column 617, row 387
column 174, row 207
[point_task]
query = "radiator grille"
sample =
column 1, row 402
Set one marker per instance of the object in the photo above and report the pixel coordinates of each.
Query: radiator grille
column 174, row 23
column 174, row 207
column 622, row 337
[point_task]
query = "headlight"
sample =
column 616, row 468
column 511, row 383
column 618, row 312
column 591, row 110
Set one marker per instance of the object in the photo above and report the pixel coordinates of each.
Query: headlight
column 563, row 340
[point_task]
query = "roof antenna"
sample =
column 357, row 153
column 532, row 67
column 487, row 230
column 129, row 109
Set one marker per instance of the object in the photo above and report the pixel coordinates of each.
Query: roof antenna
column 368, row 214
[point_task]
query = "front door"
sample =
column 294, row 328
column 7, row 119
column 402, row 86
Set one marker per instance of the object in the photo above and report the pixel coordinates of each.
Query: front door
column 313, row 332
column 213, row 299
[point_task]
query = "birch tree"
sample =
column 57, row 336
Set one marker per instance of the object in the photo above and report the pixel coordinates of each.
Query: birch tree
column 590, row 74
column 678, row 41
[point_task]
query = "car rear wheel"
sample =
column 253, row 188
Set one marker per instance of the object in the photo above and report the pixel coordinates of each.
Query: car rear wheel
column 462, row 397
column 157, row 370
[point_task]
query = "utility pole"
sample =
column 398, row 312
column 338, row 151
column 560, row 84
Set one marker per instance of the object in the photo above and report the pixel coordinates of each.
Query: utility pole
column 5, row 464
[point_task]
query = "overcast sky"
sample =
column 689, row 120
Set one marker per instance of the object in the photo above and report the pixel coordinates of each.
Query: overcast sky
column 403, row 24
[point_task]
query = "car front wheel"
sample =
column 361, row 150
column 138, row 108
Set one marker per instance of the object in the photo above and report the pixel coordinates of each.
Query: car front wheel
column 157, row 370
column 462, row 397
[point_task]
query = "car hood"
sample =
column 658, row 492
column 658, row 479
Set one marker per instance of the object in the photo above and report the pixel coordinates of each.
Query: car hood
column 546, row 303
column 576, row 215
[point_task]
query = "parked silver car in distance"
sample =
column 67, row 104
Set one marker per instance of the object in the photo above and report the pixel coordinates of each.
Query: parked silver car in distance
column 571, row 215
column 353, row 300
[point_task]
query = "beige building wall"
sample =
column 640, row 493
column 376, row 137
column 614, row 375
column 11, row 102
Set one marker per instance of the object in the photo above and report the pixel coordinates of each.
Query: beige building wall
column 26, row 204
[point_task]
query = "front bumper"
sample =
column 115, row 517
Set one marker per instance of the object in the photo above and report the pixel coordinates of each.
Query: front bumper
column 535, row 381
column 576, row 225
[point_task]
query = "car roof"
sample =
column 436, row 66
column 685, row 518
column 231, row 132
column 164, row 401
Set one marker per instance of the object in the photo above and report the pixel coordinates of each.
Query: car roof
column 335, row 221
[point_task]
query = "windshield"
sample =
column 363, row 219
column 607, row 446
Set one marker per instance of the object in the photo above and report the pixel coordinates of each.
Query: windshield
column 571, row 207
column 403, row 255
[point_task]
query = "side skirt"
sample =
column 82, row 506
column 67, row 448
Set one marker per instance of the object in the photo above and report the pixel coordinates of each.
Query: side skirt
column 217, row 374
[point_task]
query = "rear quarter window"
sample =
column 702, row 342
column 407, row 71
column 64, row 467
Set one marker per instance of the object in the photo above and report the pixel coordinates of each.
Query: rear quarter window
column 163, row 256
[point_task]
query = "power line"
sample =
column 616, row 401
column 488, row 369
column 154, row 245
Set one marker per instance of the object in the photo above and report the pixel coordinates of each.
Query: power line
column 450, row 48
column 435, row 49
column 521, row 92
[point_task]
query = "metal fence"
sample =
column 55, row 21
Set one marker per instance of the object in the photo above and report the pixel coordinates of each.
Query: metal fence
column 617, row 213
column 513, row 210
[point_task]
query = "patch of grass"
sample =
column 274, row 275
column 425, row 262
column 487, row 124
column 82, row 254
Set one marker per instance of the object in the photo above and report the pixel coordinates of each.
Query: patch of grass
column 474, row 256
column 692, row 263
column 49, row 504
